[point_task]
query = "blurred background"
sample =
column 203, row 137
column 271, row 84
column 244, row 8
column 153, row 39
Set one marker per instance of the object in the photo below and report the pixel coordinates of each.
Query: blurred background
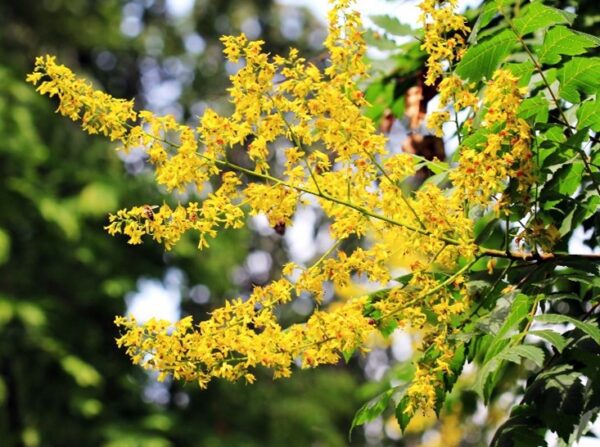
column 63, row 382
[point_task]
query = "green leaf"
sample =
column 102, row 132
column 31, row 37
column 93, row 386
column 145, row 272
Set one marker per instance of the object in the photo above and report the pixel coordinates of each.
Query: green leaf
column 552, row 337
column 399, row 106
column 564, row 181
column 573, row 219
column 519, row 434
column 372, row 409
column 567, row 224
column 404, row 371
column 437, row 179
column 373, row 91
column 588, row 115
column 571, row 180
column 501, row 4
column 536, row 15
column 554, row 133
column 482, row 59
column 534, row 107
column 588, row 328
column 477, row 138
column 509, row 353
column 348, row 354
column 484, row 227
column 522, row 70
column 491, row 323
column 488, row 12
column 516, row 353
column 578, row 275
column 437, row 167
column 392, row 25
column 579, row 75
column 561, row 40
column 388, row 327
column 402, row 415
column 519, row 310
column 456, row 366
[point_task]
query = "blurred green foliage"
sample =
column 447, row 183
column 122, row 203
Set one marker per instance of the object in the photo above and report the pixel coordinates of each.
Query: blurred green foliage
column 63, row 279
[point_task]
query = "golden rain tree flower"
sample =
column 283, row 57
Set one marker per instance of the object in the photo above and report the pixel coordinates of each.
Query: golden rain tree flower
column 332, row 156
column 444, row 39
column 335, row 155
column 484, row 170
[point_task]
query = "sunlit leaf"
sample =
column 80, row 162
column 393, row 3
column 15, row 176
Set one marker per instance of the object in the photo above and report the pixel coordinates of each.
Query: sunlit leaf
column 561, row 40
column 482, row 59
column 536, row 16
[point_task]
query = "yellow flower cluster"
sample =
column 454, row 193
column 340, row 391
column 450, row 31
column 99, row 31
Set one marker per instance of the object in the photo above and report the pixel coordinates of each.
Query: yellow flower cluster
column 506, row 153
column 333, row 154
column 416, row 304
column 539, row 234
column 484, row 170
column 243, row 335
column 167, row 225
column 78, row 100
column 444, row 39
column 455, row 91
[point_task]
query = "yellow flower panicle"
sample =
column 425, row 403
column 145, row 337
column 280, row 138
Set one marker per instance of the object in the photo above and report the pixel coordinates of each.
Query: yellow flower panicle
column 335, row 155
column 99, row 112
column 444, row 38
column 453, row 91
column 411, row 307
column 166, row 225
column 485, row 170
column 243, row 335
column 539, row 234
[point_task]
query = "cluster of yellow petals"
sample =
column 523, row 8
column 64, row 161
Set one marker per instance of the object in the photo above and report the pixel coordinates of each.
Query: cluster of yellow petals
column 444, row 38
column 539, row 234
column 243, row 335
column 99, row 112
column 167, row 225
column 452, row 90
column 505, row 153
column 415, row 302
column 333, row 154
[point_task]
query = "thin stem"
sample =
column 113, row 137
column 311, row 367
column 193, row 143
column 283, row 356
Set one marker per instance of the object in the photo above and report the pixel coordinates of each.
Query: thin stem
column 537, row 169
column 452, row 278
column 348, row 188
column 507, row 235
column 436, row 255
column 483, row 300
column 298, row 144
column 559, row 121
column 430, row 292
column 325, row 255
column 539, row 257
column 312, row 176
column 456, row 120
column 522, row 256
column 530, row 317
column 404, row 199
column 325, row 196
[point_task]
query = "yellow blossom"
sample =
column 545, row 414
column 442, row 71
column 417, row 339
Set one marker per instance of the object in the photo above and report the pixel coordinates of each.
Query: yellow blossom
column 332, row 152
